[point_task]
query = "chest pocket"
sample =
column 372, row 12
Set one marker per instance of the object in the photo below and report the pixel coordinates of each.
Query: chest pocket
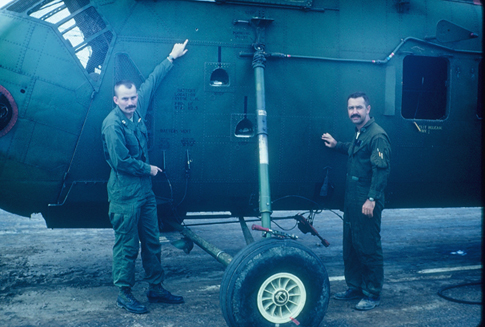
column 136, row 137
column 144, row 132
column 360, row 148
column 132, row 143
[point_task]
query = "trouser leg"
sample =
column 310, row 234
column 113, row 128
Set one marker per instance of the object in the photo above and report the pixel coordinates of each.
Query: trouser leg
column 368, row 245
column 371, row 254
column 124, row 219
column 373, row 277
column 363, row 259
column 150, row 242
column 353, row 268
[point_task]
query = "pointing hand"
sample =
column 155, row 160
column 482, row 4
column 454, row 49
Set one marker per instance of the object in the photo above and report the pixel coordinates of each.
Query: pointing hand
column 179, row 50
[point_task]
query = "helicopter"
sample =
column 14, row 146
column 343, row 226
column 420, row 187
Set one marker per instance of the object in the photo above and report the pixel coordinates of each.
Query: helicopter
column 236, row 124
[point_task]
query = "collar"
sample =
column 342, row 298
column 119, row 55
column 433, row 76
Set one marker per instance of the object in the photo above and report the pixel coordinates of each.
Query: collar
column 366, row 126
column 126, row 121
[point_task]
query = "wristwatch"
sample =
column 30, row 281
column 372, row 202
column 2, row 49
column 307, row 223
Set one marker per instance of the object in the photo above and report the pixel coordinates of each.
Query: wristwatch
column 371, row 199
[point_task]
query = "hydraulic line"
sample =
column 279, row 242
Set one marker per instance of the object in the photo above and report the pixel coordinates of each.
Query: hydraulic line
column 440, row 293
column 364, row 61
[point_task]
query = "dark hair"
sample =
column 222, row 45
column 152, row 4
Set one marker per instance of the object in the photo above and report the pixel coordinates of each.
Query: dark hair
column 126, row 83
column 356, row 95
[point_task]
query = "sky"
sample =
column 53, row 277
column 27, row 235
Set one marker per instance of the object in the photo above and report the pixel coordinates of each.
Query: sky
column 3, row 2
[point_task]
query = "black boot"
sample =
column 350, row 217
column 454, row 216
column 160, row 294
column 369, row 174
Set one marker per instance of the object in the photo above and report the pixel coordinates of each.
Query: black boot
column 156, row 293
column 127, row 301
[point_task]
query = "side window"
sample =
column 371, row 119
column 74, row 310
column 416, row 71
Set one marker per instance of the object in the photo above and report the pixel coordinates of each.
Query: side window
column 424, row 89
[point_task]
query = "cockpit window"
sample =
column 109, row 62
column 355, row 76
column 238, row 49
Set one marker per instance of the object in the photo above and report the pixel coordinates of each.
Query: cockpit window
column 79, row 23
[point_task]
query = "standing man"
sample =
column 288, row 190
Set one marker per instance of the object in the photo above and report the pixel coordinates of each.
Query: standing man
column 368, row 168
column 132, row 204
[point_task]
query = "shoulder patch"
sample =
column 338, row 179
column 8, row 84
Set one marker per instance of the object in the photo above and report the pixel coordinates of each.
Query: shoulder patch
column 379, row 158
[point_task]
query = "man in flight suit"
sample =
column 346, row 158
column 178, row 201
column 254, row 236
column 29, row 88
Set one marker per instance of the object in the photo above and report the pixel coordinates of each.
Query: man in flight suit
column 132, row 204
column 368, row 169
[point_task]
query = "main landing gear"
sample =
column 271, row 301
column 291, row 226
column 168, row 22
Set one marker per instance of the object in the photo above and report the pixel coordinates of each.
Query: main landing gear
column 275, row 282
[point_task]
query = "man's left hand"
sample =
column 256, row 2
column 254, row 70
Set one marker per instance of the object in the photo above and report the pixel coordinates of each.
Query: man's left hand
column 179, row 50
column 368, row 208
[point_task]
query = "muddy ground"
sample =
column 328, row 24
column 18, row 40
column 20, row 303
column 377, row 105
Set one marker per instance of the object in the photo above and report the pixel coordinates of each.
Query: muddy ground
column 63, row 277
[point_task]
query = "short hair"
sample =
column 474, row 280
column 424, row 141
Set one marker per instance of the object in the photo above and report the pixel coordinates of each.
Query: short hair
column 356, row 95
column 126, row 83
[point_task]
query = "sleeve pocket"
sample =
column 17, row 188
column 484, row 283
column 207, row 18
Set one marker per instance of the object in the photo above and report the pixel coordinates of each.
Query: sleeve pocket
column 377, row 158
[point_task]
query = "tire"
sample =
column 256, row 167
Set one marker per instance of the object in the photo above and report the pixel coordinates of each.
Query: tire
column 275, row 282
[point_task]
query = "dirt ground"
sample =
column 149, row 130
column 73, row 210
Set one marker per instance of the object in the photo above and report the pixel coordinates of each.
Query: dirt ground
column 63, row 277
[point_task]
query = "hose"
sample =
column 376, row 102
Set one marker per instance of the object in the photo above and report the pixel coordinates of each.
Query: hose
column 440, row 293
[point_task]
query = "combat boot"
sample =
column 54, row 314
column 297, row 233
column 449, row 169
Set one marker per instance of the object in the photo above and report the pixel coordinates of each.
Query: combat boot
column 368, row 303
column 156, row 294
column 127, row 301
column 350, row 294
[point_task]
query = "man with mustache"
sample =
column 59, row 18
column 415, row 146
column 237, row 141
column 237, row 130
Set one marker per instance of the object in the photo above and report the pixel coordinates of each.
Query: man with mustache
column 132, row 204
column 368, row 169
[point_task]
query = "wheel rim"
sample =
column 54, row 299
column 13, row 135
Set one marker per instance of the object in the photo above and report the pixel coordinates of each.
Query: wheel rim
column 281, row 297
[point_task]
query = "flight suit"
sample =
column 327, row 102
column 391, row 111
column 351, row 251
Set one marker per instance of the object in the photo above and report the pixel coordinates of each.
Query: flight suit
column 132, row 203
column 368, row 169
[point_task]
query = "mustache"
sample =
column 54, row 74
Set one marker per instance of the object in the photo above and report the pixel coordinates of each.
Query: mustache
column 131, row 107
column 355, row 116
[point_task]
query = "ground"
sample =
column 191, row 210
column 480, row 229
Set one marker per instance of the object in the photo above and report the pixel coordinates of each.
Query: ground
column 62, row 277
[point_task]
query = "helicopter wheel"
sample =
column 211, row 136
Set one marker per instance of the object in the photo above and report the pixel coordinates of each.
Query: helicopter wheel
column 275, row 282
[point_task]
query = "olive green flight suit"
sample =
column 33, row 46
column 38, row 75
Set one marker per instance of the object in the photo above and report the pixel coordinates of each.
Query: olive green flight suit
column 368, row 169
column 132, row 204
